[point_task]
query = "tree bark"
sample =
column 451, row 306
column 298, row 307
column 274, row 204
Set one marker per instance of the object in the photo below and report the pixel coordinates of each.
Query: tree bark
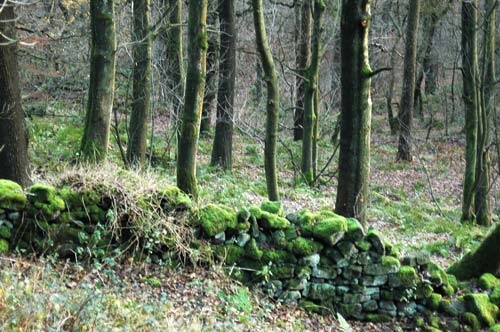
column 273, row 101
column 356, row 106
column 223, row 141
column 212, row 67
column 408, row 94
column 141, row 104
column 14, row 164
column 482, row 205
column 303, row 58
column 470, row 97
column 102, row 81
column 193, row 98
column 311, row 89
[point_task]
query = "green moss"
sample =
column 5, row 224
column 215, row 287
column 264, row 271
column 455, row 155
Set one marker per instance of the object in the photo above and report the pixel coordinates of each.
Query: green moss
column 363, row 245
column 304, row 247
column 311, row 307
column 434, row 300
column 390, row 261
column 480, row 305
column 277, row 256
column 424, row 290
column 355, row 231
column 11, row 196
column 378, row 318
column 153, row 282
column 452, row 281
column 495, row 296
column 272, row 222
column 45, row 198
column 330, row 230
column 215, row 219
column 366, row 70
column 243, row 226
column 487, row 281
column 434, row 321
column 243, row 215
column 471, row 320
column 252, row 250
column 432, row 329
column 173, row 198
column 5, row 232
column 274, row 207
column 495, row 328
column 408, row 276
column 438, row 275
column 231, row 254
column 255, row 212
column 446, row 307
column 4, row 246
column 283, row 272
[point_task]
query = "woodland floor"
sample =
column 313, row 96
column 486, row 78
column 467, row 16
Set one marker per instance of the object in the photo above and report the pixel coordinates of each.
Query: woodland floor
column 416, row 206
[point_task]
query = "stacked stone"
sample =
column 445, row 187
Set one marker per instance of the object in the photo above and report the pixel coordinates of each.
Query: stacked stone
column 322, row 261
column 12, row 204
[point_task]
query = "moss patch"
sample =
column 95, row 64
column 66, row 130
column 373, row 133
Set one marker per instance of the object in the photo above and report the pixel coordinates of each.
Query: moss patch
column 45, row 198
column 11, row 195
column 215, row 219
column 172, row 198
column 330, row 230
column 4, row 246
column 274, row 207
column 487, row 281
column 304, row 247
column 408, row 276
column 480, row 305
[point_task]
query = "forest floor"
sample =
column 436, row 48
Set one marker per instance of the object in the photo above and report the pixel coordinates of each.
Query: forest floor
column 416, row 207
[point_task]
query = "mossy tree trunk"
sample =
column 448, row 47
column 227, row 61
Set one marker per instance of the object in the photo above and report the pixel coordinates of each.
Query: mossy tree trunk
column 482, row 205
column 212, row 66
column 102, row 81
column 302, row 61
column 141, row 103
column 486, row 258
column 193, row 97
column 408, row 94
column 356, row 107
column 471, row 103
column 14, row 163
column 311, row 89
column 273, row 101
column 175, row 58
column 223, row 141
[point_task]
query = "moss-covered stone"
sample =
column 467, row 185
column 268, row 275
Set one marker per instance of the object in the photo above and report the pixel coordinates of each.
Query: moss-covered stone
column 495, row 296
column 11, row 196
column 311, row 307
column 480, row 305
column 274, row 207
column 408, row 276
column 471, row 320
column 330, row 230
column 438, row 276
column 277, row 256
column 272, row 222
column 5, row 232
column 495, row 328
column 4, row 247
column 378, row 318
column 231, row 254
column 172, row 198
column 355, row 231
column 434, row 300
column 45, row 199
column 215, row 219
column 283, row 272
column 446, row 307
column 375, row 239
column 487, row 281
column 243, row 215
column 363, row 245
column 303, row 247
column 390, row 261
column 252, row 250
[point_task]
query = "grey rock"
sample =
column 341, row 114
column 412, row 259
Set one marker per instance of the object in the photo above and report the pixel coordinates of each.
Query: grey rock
column 370, row 306
column 324, row 273
column 312, row 261
column 322, row 291
column 243, row 239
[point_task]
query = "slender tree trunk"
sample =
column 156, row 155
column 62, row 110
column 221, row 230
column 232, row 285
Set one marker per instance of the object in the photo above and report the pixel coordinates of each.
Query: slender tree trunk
column 14, row 164
column 273, row 101
column 317, row 104
column 303, row 55
column 470, row 97
column 393, row 121
column 193, row 98
column 356, row 106
column 141, row 104
column 212, row 66
column 102, row 81
column 482, row 199
column 311, row 87
column 223, row 141
column 175, row 59
column 407, row 98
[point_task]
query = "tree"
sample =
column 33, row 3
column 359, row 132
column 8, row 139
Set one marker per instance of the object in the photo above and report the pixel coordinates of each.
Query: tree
column 193, row 97
column 407, row 98
column 311, row 92
column 471, row 104
column 223, row 141
column 175, row 57
column 273, row 101
column 302, row 60
column 141, row 104
column 212, row 57
column 356, row 106
column 102, row 81
column 14, row 164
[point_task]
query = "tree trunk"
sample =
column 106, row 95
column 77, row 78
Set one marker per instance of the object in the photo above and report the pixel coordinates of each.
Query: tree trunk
column 223, row 141
column 175, row 59
column 356, row 106
column 302, row 59
column 393, row 121
column 273, row 101
column 141, row 104
column 408, row 94
column 193, row 99
column 102, row 81
column 212, row 66
column 470, row 97
column 311, row 87
column 484, row 259
column 14, row 163
column 482, row 198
